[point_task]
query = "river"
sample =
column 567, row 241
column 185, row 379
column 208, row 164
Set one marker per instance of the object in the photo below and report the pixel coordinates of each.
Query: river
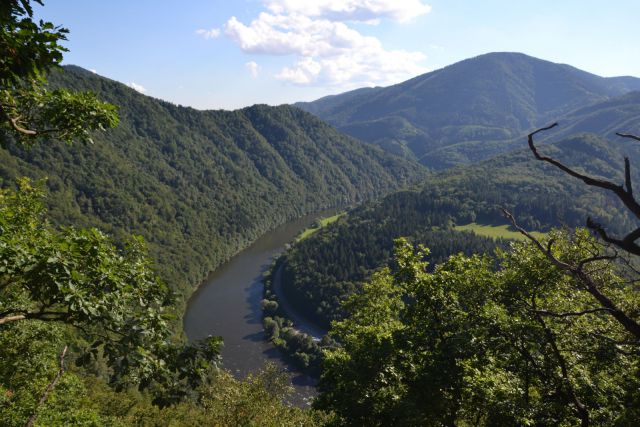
column 228, row 304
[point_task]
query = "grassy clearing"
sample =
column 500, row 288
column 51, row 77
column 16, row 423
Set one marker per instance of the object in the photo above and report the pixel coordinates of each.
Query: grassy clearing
column 496, row 231
column 321, row 222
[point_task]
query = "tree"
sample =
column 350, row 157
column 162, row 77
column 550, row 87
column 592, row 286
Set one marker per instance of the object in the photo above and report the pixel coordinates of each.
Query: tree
column 28, row 109
column 108, row 291
column 472, row 344
column 81, row 278
column 580, row 268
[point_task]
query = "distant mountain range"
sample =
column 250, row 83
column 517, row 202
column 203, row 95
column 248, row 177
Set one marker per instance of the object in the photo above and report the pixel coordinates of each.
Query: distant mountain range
column 475, row 108
column 200, row 185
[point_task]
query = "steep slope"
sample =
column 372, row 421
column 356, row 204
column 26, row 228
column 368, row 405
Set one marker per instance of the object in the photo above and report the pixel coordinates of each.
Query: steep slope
column 323, row 269
column 619, row 114
column 491, row 98
column 200, row 185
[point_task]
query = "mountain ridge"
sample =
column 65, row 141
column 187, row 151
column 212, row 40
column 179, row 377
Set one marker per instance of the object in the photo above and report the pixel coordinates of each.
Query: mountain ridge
column 491, row 98
column 199, row 185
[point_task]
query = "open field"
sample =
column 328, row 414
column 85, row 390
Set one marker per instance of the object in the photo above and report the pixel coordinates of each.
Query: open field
column 496, row 231
column 321, row 222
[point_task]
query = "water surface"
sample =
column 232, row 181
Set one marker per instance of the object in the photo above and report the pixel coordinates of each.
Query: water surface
column 228, row 304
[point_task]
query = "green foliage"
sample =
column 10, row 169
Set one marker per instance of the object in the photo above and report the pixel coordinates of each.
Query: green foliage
column 256, row 401
column 324, row 269
column 469, row 345
column 121, row 311
column 28, row 110
column 79, row 277
column 30, row 351
column 28, row 47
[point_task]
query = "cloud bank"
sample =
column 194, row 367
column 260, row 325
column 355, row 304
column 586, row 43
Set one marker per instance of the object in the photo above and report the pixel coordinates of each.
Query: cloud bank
column 326, row 49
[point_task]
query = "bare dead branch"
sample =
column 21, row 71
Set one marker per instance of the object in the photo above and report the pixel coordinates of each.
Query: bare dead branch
column 582, row 277
column 565, row 386
column 595, row 258
column 546, row 251
column 625, row 194
column 39, row 315
column 48, row 390
column 628, row 135
column 627, row 176
column 627, row 243
column 571, row 314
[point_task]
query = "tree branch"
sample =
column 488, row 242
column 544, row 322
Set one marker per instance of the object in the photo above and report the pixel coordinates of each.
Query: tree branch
column 14, row 318
column 565, row 386
column 570, row 314
column 628, row 135
column 578, row 273
column 15, row 124
column 48, row 390
column 625, row 194
column 627, row 243
column 39, row 315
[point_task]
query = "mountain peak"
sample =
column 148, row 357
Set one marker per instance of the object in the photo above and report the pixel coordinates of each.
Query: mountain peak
column 481, row 102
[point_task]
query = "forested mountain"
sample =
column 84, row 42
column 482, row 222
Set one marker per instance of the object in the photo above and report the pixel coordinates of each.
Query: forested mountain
column 618, row 114
column 199, row 185
column 326, row 267
column 472, row 109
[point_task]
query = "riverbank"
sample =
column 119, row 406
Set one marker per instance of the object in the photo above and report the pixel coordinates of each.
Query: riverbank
column 299, row 340
column 228, row 304
column 300, row 322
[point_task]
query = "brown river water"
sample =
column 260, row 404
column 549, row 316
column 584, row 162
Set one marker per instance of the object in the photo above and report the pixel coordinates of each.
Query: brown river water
column 228, row 304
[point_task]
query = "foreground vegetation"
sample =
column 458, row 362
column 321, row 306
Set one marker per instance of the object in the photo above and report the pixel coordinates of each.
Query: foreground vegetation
column 468, row 344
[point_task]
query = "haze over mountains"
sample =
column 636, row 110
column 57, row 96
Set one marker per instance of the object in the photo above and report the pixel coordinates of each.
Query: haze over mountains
column 470, row 110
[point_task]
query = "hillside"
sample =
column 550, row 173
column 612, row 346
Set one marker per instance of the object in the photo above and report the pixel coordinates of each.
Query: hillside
column 200, row 185
column 326, row 267
column 618, row 114
column 472, row 109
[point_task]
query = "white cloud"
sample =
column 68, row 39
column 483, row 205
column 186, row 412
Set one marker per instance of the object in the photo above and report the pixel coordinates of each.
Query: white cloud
column 137, row 87
column 352, row 10
column 209, row 34
column 93, row 71
column 327, row 51
column 253, row 68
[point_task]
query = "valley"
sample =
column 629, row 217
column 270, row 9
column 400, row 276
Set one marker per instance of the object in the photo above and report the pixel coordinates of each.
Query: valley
column 402, row 253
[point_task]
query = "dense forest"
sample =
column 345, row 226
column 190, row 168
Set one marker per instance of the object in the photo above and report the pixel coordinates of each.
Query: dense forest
column 199, row 185
column 114, row 205
column 324, row 269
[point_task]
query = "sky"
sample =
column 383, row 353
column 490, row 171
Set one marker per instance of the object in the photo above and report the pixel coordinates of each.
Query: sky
column 212, row 54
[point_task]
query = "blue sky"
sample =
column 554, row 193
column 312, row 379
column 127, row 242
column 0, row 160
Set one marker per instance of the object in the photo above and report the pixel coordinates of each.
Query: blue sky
column 229, row 54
